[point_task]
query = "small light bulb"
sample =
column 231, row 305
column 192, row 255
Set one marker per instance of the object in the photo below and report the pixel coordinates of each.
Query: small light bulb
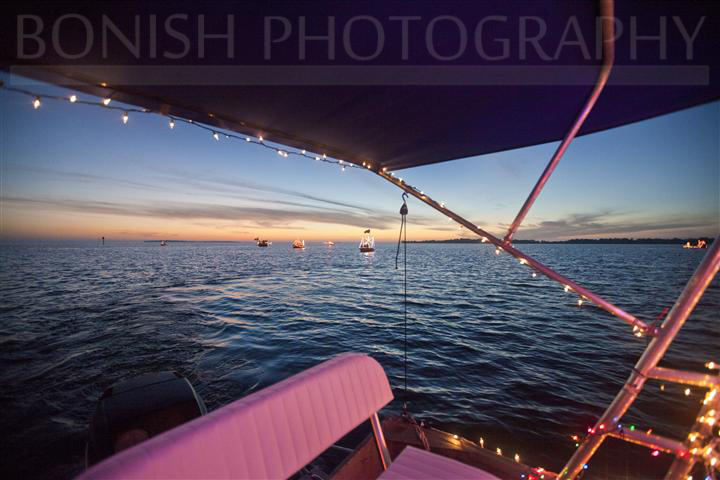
column 567, row 288
column 482, row 442
column 73, row 98
column 662, row 387
column 36, row 103
column 106, row 101
column 343, row 168
column 302, row 152
column 216, row 136
column 317, row 158
column 711, row 365
column 400, row 179
column 523, row 261
column 247, row 139
column 125, row 117
column 498, row 450
column 580, row 302
column 455, row 437
column 655, row 453
column 534, row 274
column 497, row 251
column 517, row 458
column 687, row 392
column 260, row 138
column 324, row 156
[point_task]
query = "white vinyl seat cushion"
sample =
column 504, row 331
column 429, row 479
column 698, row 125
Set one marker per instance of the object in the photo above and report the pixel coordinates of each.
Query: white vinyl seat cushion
column 269, row 434
column 416, row 464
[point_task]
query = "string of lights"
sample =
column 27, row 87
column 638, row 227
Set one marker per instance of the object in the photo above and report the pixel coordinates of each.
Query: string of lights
column 702, row 442
column 639, row 328
column 216, row 133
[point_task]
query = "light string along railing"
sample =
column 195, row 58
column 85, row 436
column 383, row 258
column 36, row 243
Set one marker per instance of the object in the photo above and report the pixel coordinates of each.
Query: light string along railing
column 702, row 441
column 639, row 327
column 216, row 133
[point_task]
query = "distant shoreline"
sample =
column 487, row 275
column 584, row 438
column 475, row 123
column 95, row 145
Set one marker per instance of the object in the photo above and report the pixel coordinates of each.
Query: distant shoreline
column 580, row 241
column 586, row 241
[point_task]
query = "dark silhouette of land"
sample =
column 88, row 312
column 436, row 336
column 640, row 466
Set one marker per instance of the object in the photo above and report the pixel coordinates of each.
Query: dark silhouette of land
column 589, row 241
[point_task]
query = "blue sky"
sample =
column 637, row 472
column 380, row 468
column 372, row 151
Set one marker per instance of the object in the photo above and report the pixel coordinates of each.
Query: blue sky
column 75, row 171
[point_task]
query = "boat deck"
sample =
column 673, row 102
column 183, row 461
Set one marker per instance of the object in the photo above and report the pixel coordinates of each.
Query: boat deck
column 364, row 462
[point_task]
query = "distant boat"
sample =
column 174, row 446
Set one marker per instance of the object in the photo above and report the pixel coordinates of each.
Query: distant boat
column 699, row 244
column 298, row 244
column 163, row 243
column 329, row 243
column 263, row 243
column 367, row 242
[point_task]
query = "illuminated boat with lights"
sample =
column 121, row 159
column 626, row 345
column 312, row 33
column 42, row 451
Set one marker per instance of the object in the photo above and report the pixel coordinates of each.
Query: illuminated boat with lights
column 262, row 243
column 367, row 242
column 163, row 243
column 699, row 244
column 298, row 244
column 288, row 429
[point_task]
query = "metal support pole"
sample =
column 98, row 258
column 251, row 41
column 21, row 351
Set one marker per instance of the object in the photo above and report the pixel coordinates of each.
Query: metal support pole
column 653, row 353
column 700, row 436
column 531, row 262
column 686, row 378
column 608, row 39
column 650, row 440
column 380, row 441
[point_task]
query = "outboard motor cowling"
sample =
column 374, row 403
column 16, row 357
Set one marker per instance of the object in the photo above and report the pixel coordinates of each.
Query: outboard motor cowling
column 134, row 410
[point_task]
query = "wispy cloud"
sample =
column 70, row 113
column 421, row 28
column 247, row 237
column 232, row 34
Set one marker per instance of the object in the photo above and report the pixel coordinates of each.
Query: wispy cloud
column 217, row 185
column 252, row 216
column 79, row 177
column 609, row 223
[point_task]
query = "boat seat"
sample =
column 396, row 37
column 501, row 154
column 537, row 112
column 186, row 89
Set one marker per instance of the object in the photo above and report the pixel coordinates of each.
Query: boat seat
column 416, row 464
column 271, row 433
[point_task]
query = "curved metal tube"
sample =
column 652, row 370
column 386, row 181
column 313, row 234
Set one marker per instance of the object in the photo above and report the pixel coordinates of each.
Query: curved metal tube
column 608, row 39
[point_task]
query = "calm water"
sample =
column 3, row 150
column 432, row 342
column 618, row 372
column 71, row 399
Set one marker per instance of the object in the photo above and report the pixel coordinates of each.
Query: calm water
column 493, row 352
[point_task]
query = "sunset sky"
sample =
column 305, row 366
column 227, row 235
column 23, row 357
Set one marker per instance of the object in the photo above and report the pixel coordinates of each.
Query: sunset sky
column 74, row 171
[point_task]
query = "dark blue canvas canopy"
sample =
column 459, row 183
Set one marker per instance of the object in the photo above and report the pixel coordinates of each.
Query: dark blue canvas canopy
column 446, row 89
